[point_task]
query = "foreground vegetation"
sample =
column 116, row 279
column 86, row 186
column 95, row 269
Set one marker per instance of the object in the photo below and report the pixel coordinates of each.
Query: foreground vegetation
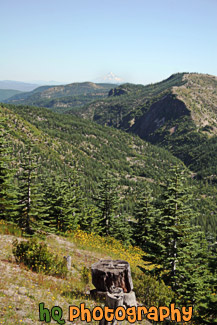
column 21, row 287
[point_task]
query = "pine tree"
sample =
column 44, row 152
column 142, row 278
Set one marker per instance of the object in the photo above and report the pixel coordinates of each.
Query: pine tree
column 30, row 205
column 184, row 248
column 121, row 229
column 145, row 215
column 106, row 202
column 173, row 243
column 147, row 229
column 64, row 201
column 207, row 303
column 88, row 221
column 175, row 224
column 8, row 193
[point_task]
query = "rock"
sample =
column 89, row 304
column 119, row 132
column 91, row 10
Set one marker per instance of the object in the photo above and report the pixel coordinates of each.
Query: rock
column 117, row 92
column 112, row 273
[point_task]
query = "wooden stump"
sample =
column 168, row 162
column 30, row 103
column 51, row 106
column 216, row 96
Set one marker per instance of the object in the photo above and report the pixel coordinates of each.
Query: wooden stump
column 113, row 279
column 130, row 299
column 108, row 273
column 113, row 301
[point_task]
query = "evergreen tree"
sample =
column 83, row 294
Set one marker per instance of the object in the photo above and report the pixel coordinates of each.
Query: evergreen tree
column 30, row 205
column 207, row 304
column 175, row 245
column 88, row 221
column 64, row 201
column 106, row 202
column 145, row 215
column 8, row 193
column 121, row 229
column 176, row 230
column 184, row 249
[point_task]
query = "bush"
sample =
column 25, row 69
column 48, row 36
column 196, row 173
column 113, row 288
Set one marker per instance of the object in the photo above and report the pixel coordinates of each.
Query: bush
column 151, row 292
column 37, row 257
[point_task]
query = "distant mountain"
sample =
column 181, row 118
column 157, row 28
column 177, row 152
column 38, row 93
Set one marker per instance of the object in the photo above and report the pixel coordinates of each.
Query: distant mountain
column 110, row 78
column 179, row 113
column 17, row 85
column 47, row 83
column 7, row 93
column 63, row 97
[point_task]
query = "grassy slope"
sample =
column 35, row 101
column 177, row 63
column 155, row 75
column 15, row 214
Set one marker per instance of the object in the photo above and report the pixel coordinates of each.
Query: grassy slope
column 21, row 290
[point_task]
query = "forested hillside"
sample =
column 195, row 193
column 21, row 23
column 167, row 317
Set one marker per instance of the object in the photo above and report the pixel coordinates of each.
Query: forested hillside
column 7, row 93
column 62, row 98
column 66, row 175
column 62, row 141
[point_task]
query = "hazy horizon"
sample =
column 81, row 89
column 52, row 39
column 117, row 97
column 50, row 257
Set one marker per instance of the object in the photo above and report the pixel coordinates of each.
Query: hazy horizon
column 140, row 41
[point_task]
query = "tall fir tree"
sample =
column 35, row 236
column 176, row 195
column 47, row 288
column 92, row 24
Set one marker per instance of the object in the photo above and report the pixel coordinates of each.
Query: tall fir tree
column 64, row 200
column 145, row 215
column 121, row 229
column 8, row 191
column 174, row 244
column 184, row 246
column 109, row 221
column 175, row 224
column 31, row 210
column 207, row 303
column 106, row 202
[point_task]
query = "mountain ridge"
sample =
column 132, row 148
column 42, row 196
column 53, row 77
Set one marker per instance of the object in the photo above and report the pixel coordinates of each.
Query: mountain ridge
column 179, row 114
column 17, row 85
column 63, row 96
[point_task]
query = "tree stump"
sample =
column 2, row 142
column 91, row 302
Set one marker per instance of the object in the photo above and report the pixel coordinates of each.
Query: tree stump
column 130, row 299
column 108, row 273
column 113, row 280
column 113, row 301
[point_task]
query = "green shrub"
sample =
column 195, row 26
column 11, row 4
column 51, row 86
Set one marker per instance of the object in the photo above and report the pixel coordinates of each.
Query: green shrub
column 150, row 291
column 37, row 257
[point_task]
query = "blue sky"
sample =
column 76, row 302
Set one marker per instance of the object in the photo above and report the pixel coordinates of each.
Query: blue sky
column 141, row 41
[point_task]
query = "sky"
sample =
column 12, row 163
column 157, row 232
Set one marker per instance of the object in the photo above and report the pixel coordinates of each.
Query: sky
column 141, row 41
